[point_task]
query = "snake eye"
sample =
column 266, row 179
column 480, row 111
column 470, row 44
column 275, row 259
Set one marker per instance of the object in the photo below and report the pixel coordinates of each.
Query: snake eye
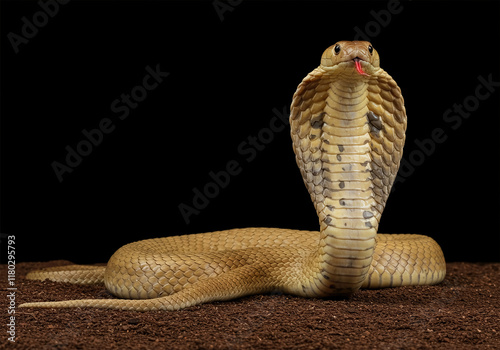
column 337, row 49
column 370, row 49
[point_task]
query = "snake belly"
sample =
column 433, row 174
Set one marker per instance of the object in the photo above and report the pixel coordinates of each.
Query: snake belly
column 348, row 124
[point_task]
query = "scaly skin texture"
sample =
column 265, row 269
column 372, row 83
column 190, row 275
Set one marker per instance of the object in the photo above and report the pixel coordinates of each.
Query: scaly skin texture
column 348, row 128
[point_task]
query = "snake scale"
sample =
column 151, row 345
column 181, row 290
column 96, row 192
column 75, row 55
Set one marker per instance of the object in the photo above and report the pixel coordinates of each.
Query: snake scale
column 348, row 124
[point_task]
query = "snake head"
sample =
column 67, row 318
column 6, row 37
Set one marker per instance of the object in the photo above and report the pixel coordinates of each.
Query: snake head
column 355, row 57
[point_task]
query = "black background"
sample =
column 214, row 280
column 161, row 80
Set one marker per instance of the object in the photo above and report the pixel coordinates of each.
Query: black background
column 226, row 77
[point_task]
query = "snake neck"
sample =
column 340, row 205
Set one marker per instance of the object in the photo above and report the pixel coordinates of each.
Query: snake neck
column 338, row 141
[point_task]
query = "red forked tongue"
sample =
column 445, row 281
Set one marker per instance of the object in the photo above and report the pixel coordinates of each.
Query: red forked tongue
column 359, row 68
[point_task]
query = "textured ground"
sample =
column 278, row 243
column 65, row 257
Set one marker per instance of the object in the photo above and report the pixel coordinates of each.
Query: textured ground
column 461, row 313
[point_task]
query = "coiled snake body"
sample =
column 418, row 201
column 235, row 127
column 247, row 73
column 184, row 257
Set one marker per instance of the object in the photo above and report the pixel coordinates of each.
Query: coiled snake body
column 348, row 124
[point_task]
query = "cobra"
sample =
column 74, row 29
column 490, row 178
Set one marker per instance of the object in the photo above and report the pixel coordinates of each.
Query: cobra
column 348, row 124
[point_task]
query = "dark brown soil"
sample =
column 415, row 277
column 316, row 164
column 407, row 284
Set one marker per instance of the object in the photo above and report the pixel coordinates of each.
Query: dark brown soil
column 463, row 312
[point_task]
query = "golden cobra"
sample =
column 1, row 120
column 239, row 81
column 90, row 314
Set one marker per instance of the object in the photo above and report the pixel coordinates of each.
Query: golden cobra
column 348, row 124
